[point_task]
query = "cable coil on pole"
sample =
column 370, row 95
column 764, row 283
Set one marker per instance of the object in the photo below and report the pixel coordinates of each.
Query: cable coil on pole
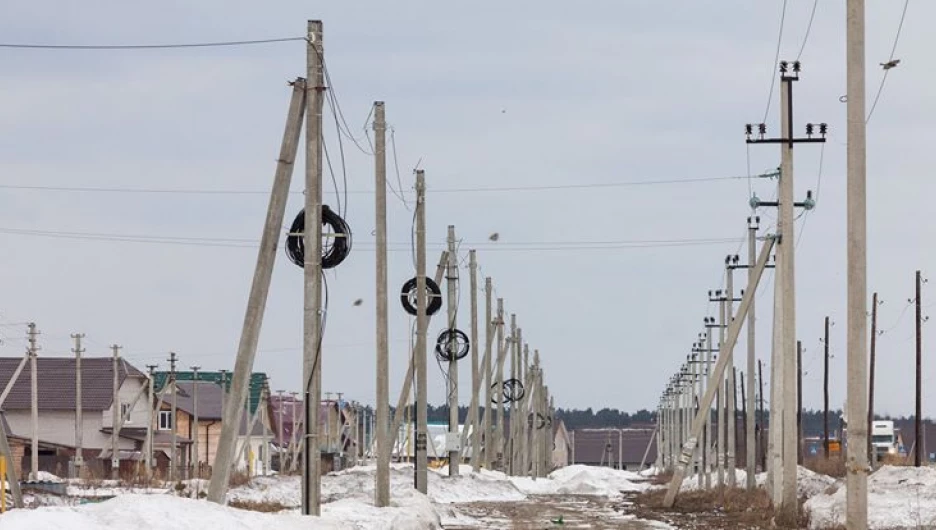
column 408, row 296
column 513, row 391
column 338, row 237
column 452, row 345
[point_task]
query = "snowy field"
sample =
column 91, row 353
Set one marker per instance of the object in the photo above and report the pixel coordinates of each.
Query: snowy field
column 579, row 496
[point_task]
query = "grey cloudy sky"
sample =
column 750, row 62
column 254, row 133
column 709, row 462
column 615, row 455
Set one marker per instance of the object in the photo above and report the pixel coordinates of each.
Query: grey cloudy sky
column 489, row 94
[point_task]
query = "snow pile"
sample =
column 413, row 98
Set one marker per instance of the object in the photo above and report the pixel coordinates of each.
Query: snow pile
column 808, row 482
column 285, row 490
column 158, row 512
column 45, row 476
column 582, row 480
column 691, row 483
column 898, row 497
column 484, row 486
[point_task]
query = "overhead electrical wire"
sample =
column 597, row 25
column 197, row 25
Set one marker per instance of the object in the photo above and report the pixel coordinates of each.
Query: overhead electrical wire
column 534, row 187
column 812, row 17
column 773, row 73
column 877, row 97
column 35, row 46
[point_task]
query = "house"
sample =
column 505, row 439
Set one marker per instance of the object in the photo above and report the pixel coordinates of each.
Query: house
column 57, row 433
column 562, row 445
column 338, row 440
column 907, row 430
column 617, row 448
column 205, row 396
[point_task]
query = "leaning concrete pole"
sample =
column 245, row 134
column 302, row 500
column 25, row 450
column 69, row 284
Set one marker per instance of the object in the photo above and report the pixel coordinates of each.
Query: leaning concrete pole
column 857, row 465
column 718, row 374
column 256, row 301
column 382, row 488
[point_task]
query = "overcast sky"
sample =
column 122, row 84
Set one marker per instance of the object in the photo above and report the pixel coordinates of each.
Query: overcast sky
column 501, row 94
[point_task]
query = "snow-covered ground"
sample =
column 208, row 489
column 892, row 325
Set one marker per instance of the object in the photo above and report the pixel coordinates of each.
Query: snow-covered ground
column 347, row 502
column 898, row 497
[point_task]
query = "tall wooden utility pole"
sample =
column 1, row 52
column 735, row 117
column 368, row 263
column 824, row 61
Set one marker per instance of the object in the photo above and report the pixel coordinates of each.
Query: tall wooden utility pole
column 312, row 269
column 488, row 392
column 31, row 335
column 874, row 305
column 475, row 376
column 422, row 322
column 918, row 453
column 196, row 459
column 857, row 478
column 451, row 277
column 256, row 301
column 382, row 489
column 497, row 447
column 174, row 450
column 799, row 403
column 825, row 393
column 79, row 422
column 750, row 422
column 718, row 374
column 115, row 416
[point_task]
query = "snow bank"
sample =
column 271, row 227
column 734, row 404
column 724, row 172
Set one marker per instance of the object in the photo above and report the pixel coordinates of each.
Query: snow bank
column 808, row 483
column 691, row 483
column 158, row 512
column 582, row 480
column 898, row 497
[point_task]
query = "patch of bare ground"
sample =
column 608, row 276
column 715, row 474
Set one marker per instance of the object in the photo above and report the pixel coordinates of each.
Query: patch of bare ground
column 720, row 508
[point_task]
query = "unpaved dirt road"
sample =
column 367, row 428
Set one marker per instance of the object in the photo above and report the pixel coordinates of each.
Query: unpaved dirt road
column 541, row 512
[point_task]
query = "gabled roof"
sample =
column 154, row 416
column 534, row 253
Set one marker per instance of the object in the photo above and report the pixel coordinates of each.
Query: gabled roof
column 593, row 446
column 209, row 404
column 256, row 387
column 56, row 377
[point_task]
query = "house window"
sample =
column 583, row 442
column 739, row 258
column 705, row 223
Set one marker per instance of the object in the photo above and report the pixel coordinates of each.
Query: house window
column 125, row 412
column 165, row 420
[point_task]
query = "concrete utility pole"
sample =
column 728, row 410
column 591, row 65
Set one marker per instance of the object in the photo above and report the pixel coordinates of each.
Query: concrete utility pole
column 294, row 434
column 516, row 339
column 382, row 488
column 248, row 447
column 498, row 445
column 475, row 377
column 763, row 422
column 695, row 362
column 718, row 374
column 402, row 402
column 799, row 403
column 857, row 477
column 196, row 460
column 707, row 436
column 523, row 430
column 31, row 335
column 451, row 278
column 173, row 459
column 488, row 338
column 422, row 323
column 918, row 453
column 312, row 269
column 744, row 412
column 256, row 301
column 79, row 422
column 749, row 427
column 785, row 314
column 115, row 418
column 720, row 389
column 732, row 419
column 153, row 416
column 825, row 394
column 874, row 306
column 281, row 437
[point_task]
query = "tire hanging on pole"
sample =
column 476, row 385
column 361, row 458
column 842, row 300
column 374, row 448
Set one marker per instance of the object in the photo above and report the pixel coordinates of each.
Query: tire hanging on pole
column 449, row 340
column 335, row 229
column 408, row 297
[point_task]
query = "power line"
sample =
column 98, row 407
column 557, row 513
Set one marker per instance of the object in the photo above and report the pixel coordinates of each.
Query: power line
column 890, row 60
column 773, row 75
column 147, row 46
column 812, row 16
column 546, row 187
column 398, row 247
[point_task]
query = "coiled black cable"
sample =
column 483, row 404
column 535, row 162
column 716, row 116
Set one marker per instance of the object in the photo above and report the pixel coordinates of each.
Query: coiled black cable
column 452, row 344
column 336, row 248
column 512, row 392
column 408, row 296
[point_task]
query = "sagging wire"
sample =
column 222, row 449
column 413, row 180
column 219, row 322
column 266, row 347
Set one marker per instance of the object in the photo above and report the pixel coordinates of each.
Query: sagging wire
column 890, row 61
